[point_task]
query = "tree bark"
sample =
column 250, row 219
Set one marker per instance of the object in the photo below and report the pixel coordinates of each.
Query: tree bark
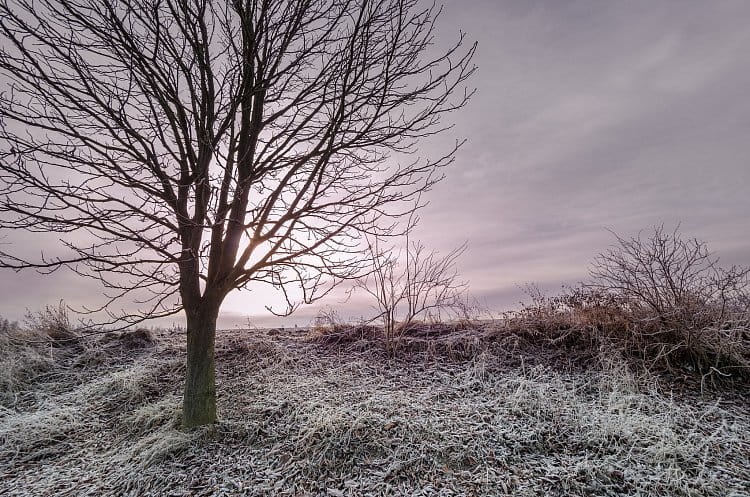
column 199, row 402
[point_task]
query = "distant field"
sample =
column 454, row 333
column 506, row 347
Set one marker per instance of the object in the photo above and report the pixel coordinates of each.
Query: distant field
column 299, row 418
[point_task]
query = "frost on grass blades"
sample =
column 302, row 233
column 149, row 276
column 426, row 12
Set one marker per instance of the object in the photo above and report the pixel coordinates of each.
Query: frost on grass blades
column 301, row 418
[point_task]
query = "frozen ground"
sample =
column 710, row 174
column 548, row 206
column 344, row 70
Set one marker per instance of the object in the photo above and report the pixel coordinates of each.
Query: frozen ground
column 301, row 419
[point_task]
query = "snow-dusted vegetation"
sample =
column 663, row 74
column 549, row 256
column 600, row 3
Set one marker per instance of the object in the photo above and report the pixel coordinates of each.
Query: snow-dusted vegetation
column 483, row 410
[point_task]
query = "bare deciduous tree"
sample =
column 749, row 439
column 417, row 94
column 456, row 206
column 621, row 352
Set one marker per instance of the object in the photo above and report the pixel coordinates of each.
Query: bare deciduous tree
column 187, row 148
column 424, row 284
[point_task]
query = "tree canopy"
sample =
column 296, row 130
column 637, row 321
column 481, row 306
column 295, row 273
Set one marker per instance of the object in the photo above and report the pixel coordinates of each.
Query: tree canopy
column 187, row 148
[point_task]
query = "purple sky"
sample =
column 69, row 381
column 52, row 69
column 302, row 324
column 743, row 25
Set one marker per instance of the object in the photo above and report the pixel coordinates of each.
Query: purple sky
column 589, row 115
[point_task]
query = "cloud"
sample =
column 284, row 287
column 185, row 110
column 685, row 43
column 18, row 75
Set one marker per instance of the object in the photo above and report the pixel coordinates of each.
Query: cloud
column 589, row 115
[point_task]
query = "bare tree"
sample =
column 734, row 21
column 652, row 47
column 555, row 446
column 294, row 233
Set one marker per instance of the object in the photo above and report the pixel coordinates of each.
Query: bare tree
column 187, row 148
column 432, row 282
column 424, row 284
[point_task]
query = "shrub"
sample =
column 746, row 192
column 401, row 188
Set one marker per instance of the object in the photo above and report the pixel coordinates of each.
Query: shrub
column 578, row 317
column 685, row 310
column 420, row 286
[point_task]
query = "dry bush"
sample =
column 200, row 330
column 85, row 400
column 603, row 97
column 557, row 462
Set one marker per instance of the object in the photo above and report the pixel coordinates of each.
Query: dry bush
column 577, row 317
column 685, row 310
column 662, row 300
column 329, row 329
column 418, row 298
column 583, row 321
column 54, row 322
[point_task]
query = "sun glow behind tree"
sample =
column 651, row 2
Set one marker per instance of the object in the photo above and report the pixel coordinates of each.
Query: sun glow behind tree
column 169, row 132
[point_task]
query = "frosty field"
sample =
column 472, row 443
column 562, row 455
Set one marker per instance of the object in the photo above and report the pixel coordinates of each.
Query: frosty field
column 299, row 418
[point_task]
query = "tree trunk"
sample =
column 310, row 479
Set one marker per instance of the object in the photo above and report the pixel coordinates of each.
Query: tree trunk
column 199, row 402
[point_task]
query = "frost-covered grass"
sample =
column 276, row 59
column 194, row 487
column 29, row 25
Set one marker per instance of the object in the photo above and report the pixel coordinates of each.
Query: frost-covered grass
column 300, row 419
column 24, row 354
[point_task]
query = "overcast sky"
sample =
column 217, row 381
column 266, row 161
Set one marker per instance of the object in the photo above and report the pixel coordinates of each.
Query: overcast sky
column 589, row 115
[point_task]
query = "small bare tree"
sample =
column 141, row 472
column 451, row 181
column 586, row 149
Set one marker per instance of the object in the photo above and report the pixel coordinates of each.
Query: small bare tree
column 423, row 285
column 187, row 148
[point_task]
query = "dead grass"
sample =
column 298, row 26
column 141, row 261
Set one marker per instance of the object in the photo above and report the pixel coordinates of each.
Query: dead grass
column 46, row 353
column 344, row 333
column 301, row 419
column 25, row 353
column 703, row 347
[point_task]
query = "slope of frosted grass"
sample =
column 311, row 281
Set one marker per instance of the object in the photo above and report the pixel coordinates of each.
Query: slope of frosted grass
column 300, row 421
